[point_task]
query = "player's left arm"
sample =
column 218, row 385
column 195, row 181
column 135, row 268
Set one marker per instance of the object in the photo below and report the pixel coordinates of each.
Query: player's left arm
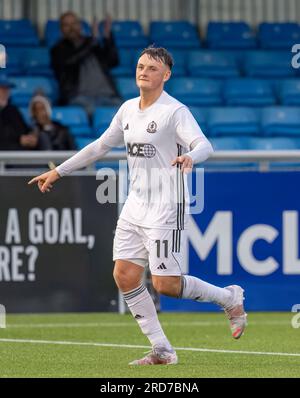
column 200, row 151
column 190, row 135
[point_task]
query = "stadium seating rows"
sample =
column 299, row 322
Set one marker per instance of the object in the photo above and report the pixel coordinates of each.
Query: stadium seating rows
column 194, row 63
column 175, row 34
column 229, row 67
column 229, row 128
column 189, row 90
column 235, row 91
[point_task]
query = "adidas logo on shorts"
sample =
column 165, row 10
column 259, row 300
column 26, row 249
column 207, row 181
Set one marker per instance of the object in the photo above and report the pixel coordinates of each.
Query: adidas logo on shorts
column 161, row 266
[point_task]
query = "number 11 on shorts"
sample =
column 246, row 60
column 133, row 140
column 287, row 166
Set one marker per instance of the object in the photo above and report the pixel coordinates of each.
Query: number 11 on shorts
column 158, row 246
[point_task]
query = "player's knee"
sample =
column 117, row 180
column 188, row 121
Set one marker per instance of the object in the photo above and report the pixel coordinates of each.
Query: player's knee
column 126, row 278
column 121, row 278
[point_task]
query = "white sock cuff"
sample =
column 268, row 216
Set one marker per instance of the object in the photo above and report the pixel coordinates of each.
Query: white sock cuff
column 135, row 295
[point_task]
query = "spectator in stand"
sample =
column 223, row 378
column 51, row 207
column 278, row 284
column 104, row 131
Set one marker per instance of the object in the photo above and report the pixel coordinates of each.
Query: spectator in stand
column 14, row 133
column 81, row 65
column 58, row 136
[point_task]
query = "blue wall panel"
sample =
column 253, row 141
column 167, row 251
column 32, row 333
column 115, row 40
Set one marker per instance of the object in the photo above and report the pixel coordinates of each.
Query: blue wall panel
column 264, row 207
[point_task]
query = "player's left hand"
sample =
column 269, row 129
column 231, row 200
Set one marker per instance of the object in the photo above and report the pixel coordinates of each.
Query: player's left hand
column 186, row 162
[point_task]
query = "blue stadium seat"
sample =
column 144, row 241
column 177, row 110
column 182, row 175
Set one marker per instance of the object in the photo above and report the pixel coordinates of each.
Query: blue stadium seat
column 33, row 61
column 19, row 32
column 229, row 143
column 233, row 121
column 212, row 64
column 136, row 55
column 180, row 60
column 102, row 118
column 281, row 121
column 82, row 142
column 278, row 35
column 126, row 67
column 175, row 34
column 296, row 141
column 27, row 86
column 289, row 92
column 200, row 115
column 127, row 87
column 75, row 118
column 53, row 33
column 127, row 34
column 272, row 143
column 195, row 91
column 268, row 64
column 37, row 62
column 14, row 61
column 248, row 92
column 230, row 35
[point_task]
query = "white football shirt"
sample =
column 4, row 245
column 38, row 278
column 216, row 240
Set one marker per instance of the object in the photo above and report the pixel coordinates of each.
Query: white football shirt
column 154, row 137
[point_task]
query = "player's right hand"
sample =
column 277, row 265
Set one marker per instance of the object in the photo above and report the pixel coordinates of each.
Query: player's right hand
column 45, row 181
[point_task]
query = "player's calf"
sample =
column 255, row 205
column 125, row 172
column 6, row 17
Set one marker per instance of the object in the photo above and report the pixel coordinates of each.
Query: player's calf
column 167, row 285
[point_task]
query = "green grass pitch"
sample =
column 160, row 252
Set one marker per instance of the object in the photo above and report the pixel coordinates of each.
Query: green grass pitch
column 101, row 345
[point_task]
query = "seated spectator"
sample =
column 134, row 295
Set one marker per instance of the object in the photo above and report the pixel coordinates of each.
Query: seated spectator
column 58, row 136
column 81, row 65
column 14, row 133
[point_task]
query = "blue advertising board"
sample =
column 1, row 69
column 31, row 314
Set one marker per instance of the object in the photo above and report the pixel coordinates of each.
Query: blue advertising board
column 247, row 234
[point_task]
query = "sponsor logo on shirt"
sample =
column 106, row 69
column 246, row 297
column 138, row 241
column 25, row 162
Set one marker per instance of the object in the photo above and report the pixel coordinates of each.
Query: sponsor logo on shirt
column 141, row 150
column 152, row 127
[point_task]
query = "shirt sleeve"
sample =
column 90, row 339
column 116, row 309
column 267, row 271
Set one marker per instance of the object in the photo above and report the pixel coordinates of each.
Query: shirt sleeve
column 187, row 129
column 190, row 135
column 111, row 138
column 201, row 150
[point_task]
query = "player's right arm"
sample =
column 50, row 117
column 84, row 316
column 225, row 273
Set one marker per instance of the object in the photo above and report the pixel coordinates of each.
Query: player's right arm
column 45, row 181
column 112, row 137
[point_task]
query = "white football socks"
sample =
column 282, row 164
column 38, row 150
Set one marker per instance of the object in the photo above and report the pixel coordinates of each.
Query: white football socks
column 196, row 289
column 143, row 310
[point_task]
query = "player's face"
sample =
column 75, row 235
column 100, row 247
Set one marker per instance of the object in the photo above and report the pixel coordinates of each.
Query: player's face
column 151, row 74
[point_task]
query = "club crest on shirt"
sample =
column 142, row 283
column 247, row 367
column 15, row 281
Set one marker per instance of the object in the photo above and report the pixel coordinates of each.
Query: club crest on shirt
column 152, row 127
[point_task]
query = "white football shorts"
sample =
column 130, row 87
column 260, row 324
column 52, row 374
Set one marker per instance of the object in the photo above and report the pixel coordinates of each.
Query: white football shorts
column 161, row 249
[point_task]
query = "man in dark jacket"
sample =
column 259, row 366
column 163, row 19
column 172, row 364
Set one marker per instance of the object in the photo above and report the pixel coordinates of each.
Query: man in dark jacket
column 81, row 65
column 14, row 133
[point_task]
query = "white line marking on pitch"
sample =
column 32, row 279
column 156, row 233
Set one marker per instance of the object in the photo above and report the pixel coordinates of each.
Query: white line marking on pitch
column 91, row 344
column 130, row 324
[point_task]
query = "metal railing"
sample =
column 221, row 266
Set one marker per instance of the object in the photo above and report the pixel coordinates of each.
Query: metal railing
column 263, row 158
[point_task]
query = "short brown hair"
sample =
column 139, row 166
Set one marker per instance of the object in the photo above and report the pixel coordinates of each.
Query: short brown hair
column 159, row 54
